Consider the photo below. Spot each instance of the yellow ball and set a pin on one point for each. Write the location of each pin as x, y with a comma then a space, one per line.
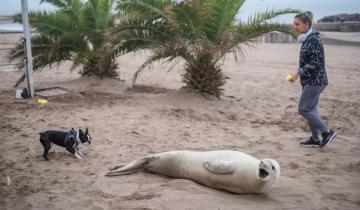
289, 77
42, 101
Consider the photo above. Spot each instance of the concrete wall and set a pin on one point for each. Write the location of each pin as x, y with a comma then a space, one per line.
338, 26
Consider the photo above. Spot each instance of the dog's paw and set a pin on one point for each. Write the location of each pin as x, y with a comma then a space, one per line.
78, 156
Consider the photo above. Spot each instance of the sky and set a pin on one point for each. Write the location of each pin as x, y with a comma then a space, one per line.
320, 8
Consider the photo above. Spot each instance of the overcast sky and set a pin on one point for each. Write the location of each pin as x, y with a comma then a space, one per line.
320, 8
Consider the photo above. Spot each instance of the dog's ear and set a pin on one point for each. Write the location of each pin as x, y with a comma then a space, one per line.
87, 131
72, 130
81, 132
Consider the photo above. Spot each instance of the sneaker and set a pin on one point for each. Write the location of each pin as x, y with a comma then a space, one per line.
327, 138
312, 142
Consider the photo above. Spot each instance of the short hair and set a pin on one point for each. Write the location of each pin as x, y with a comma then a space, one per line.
305, 17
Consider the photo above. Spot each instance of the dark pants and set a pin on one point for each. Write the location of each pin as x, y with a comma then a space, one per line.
308, 109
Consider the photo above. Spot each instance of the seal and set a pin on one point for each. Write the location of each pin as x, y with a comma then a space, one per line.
227, 170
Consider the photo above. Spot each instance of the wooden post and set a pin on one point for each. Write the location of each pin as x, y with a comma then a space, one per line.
29, 66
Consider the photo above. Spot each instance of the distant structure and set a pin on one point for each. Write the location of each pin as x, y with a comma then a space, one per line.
340, 22
341, 18
277, 37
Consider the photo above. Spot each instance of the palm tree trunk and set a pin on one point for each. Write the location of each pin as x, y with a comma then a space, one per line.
20, 80
204, 75
103, 67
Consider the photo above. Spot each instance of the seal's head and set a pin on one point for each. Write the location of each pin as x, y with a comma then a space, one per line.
269, 172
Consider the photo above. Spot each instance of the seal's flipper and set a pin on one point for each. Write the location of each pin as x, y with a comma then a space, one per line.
120, 173
219, 166
129, 167
116, 167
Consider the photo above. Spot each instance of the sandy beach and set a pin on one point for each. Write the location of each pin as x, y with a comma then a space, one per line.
257, 115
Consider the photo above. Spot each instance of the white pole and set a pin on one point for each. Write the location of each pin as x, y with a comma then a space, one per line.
29, 66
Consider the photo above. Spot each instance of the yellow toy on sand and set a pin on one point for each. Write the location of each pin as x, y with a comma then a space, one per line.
290, 77
42, 101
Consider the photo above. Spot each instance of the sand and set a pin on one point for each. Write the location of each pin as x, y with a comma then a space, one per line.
257, 115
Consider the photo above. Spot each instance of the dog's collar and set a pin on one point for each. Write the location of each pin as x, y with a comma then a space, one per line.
74, 135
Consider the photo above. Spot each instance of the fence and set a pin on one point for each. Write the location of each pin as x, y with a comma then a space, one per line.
277, 37
7, 42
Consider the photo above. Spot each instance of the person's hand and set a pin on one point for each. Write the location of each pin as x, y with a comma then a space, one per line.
295, 76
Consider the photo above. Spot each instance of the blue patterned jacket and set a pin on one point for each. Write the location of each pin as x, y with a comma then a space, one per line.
312, 61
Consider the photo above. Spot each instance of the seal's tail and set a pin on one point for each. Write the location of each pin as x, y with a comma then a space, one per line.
122, 170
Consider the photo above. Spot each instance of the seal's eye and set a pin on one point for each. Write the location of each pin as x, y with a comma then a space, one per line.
273, 167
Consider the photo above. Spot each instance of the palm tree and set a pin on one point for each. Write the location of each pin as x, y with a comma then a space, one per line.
78, 31
201, 32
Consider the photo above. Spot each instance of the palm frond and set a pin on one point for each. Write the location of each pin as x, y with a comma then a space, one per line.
69, 7
136, 35
17, 54
57, 3
49, 23
44, 52
245, 34
223, 14
158, 54
261, 17
189, 19
141, 9
52, 23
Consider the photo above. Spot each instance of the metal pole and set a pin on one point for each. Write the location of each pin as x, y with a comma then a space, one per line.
29, 66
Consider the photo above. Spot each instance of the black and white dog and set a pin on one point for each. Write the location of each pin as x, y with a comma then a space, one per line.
69, 140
